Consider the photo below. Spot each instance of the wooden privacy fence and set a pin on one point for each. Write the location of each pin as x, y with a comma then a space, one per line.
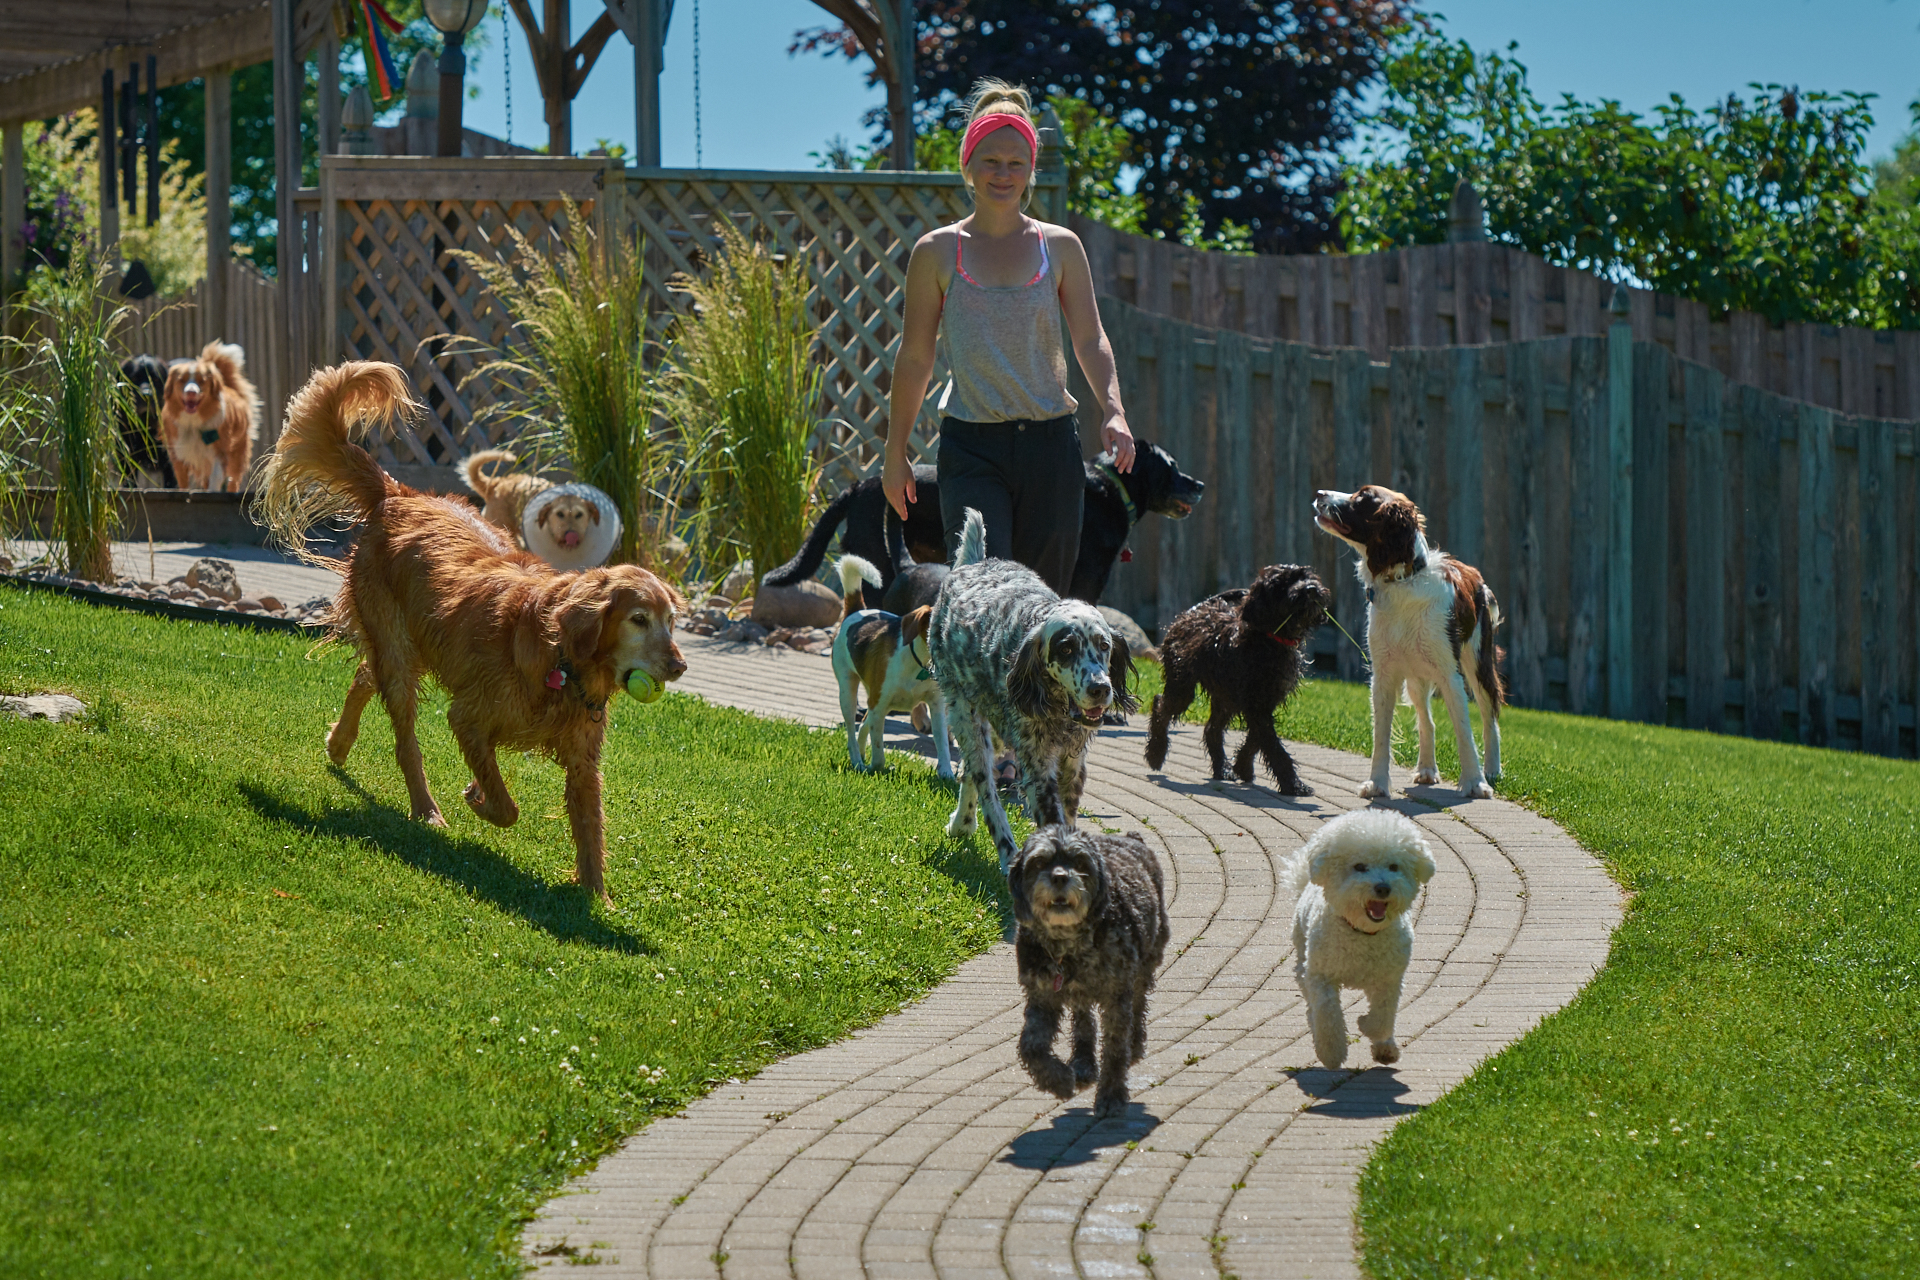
172, 328
1714, 555
1477, 293
379, 279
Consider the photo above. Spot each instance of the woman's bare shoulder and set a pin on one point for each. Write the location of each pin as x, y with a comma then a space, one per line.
938, 238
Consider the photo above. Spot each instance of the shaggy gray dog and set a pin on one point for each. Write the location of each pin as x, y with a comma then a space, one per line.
1017, 662
1092, 930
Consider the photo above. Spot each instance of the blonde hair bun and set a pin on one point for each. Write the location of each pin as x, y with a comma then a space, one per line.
991, 97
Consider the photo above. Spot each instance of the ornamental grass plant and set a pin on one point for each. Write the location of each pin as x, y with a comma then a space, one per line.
745, 393
578, 390
70, 383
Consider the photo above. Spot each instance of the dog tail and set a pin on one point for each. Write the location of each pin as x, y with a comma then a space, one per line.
316, 472
473, 470
897, 554
806, 561
231, 360
1486, 617
973, 540
853, 572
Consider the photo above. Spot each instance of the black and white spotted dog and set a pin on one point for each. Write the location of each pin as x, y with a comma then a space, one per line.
1019, 664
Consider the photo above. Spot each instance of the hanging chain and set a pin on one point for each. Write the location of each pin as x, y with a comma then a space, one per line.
699, 156
506, 65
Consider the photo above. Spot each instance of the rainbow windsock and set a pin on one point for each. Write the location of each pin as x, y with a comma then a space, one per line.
379, 55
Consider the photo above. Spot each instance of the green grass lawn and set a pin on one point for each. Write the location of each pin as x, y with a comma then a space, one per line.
1738, 1092
255, 1022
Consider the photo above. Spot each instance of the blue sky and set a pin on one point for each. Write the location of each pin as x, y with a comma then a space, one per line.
761, 109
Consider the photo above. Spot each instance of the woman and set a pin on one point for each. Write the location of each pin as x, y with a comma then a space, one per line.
996, 285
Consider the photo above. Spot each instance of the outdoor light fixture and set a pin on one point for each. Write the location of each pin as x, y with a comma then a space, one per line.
454, 18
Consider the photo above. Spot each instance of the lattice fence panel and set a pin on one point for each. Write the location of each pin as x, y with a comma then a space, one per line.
403, 293
855, 231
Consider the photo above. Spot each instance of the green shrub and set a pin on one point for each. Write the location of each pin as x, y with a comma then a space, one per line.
577, 382
746, 395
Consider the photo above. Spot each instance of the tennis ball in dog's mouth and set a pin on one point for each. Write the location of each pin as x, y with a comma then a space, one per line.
643, 686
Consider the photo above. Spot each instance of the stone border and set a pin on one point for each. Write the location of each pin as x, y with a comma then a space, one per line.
163, 608
918, 1148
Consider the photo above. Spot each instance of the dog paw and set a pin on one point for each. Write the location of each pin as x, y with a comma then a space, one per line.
1370, 789
1476, 790
430, 816
501, 813
960, 826
1386, 1051
1425, 777
1085, 1072
1110, 1104
338, 744
1297, 788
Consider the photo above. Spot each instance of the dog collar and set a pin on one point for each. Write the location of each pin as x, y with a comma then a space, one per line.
926, 663
1362, 932
1126, 499
563, 676
1291, 644
208, 435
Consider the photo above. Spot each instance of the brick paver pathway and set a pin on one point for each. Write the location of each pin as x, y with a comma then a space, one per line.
918, 1148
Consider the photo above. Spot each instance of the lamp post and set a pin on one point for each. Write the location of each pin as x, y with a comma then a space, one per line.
453, 18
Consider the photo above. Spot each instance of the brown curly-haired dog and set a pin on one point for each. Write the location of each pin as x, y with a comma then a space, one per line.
1243, 648
1093, 928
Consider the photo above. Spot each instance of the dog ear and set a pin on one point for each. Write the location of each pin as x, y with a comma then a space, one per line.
1029, 684
1097, 898
583, 619
1017, 874
540, 521
915, 624
1119, 672
593, 512
1397, 525
1324, 870
1423, 867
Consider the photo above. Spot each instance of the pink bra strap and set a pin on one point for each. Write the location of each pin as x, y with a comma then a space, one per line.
959, 242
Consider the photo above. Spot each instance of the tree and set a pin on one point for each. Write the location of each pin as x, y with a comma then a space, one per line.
1760, 204
1239, 105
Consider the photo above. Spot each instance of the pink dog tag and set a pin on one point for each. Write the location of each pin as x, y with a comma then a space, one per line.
556, 679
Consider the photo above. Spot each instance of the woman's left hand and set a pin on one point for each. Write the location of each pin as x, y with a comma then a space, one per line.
1117, 440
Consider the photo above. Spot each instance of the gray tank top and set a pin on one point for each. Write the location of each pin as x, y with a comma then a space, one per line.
1004, 348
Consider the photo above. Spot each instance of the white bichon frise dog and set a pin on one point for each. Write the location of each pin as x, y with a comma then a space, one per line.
1356, 879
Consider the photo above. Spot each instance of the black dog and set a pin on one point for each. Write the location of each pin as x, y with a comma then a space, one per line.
1114, 503
1243, 648
146, 378
1093, 928
913, 583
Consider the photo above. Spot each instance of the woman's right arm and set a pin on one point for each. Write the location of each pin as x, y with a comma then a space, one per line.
912, 368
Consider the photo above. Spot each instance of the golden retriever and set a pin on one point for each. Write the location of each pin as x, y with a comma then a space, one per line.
210, 417
528, 656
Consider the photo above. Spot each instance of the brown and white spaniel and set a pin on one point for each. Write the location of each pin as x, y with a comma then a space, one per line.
1430, 624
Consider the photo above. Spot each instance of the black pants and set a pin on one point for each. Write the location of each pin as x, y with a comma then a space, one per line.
1027, 479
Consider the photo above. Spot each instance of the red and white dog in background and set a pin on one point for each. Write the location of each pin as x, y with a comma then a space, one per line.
1430, 624
210, 417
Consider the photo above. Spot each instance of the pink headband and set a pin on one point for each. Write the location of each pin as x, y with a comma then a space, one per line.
984, 125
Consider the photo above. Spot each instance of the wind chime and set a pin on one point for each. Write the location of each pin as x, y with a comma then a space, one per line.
123, 136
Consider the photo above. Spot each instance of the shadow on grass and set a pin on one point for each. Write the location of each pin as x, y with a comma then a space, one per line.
565, 912
1075, 1137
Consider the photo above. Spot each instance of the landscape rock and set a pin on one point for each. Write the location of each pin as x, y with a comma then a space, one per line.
215, 577
1138, 642
247, 604
804, 604
272, 603
805, 639
738, 582
742, 631
43, 706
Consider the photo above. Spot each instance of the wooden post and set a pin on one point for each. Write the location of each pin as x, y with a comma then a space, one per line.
1352, 449
559, 34
1817, 544
1234, 414
109, 167
1588, 473
1880, 638
1706, 526
1524, 468
1173, 344
215, 320
1760, 554
1619, 490
1652, 375
652, 16
1464, 533
288, 78
896, 22
13, 206
1292, 476
328, 104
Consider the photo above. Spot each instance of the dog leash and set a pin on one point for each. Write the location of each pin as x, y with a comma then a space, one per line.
1126, 500
564, 677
